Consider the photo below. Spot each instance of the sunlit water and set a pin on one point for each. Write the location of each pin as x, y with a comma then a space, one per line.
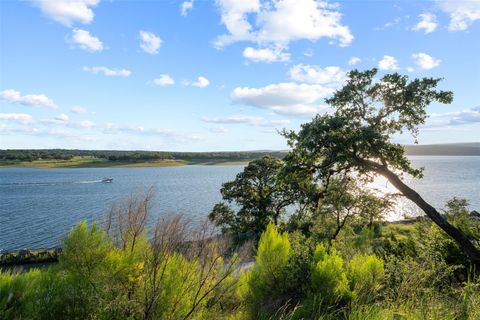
39, 206
445, 177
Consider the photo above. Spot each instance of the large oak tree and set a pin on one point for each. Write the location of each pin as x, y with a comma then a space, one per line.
357, 136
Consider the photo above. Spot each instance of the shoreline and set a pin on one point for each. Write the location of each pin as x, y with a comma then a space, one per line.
100, 163
89, 162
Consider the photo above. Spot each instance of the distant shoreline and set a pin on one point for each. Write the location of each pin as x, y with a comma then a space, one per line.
453, 149
69, 164
100, 163
69, 158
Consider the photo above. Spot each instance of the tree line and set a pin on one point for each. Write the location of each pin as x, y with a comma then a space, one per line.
113, 155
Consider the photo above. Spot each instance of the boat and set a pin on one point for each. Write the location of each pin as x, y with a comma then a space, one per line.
107, 180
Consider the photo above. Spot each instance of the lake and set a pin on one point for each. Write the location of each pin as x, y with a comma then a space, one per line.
39, 206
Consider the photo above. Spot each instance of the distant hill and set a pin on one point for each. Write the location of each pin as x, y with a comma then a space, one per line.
448, 149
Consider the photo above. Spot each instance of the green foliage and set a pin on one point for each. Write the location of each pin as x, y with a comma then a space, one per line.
458, 214
132, 156
299, 268
223, 216
427, 250
267, 281
175, 299
365, 274
344, 205
358, 135
85, 249
329, 277
289, 280
15, 293
260, 198
96, 280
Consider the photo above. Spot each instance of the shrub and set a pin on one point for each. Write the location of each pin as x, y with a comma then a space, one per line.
15, 293
329, 277
267, 281
299, 267
365, 273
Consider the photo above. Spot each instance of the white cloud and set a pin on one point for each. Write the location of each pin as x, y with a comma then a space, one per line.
79, 110
233, 119
86, 124
281, 94
425, 61
471, 115
388, 63
86, 41
185, 7
274, 123
354, 60
14, 96
331, 76
62, 118
428, 23
463, 13
301, 110
467, 116
280, 22
7, 129
164, 80
246, 119
284, 98
17, 117
266, 55
389, 24
201, 82
410, 69
218, 130
108, 72
150, 43
68, 11
111, 128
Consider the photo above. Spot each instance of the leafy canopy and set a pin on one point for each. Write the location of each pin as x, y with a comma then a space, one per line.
367, 115
257, 194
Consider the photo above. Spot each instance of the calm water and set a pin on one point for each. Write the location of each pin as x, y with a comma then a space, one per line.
38, 206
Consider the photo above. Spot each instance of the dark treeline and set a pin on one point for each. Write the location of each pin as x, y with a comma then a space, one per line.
113, 155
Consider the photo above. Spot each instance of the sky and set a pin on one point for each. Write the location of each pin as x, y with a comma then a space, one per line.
219, 75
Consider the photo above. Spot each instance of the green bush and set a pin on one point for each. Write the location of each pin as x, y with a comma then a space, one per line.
329, 277
365, 273
267, 281
16, 293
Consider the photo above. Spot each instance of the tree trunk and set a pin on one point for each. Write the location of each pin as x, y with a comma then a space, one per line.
470, 250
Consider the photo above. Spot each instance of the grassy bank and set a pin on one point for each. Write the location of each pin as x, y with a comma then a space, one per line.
93, 162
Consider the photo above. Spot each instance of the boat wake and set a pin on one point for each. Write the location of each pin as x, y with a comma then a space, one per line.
89, 181
26, 184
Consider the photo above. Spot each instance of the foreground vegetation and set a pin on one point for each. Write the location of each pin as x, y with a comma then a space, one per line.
113, 271
333, 257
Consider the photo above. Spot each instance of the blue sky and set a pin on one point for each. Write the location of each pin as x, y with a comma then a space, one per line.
219, 75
